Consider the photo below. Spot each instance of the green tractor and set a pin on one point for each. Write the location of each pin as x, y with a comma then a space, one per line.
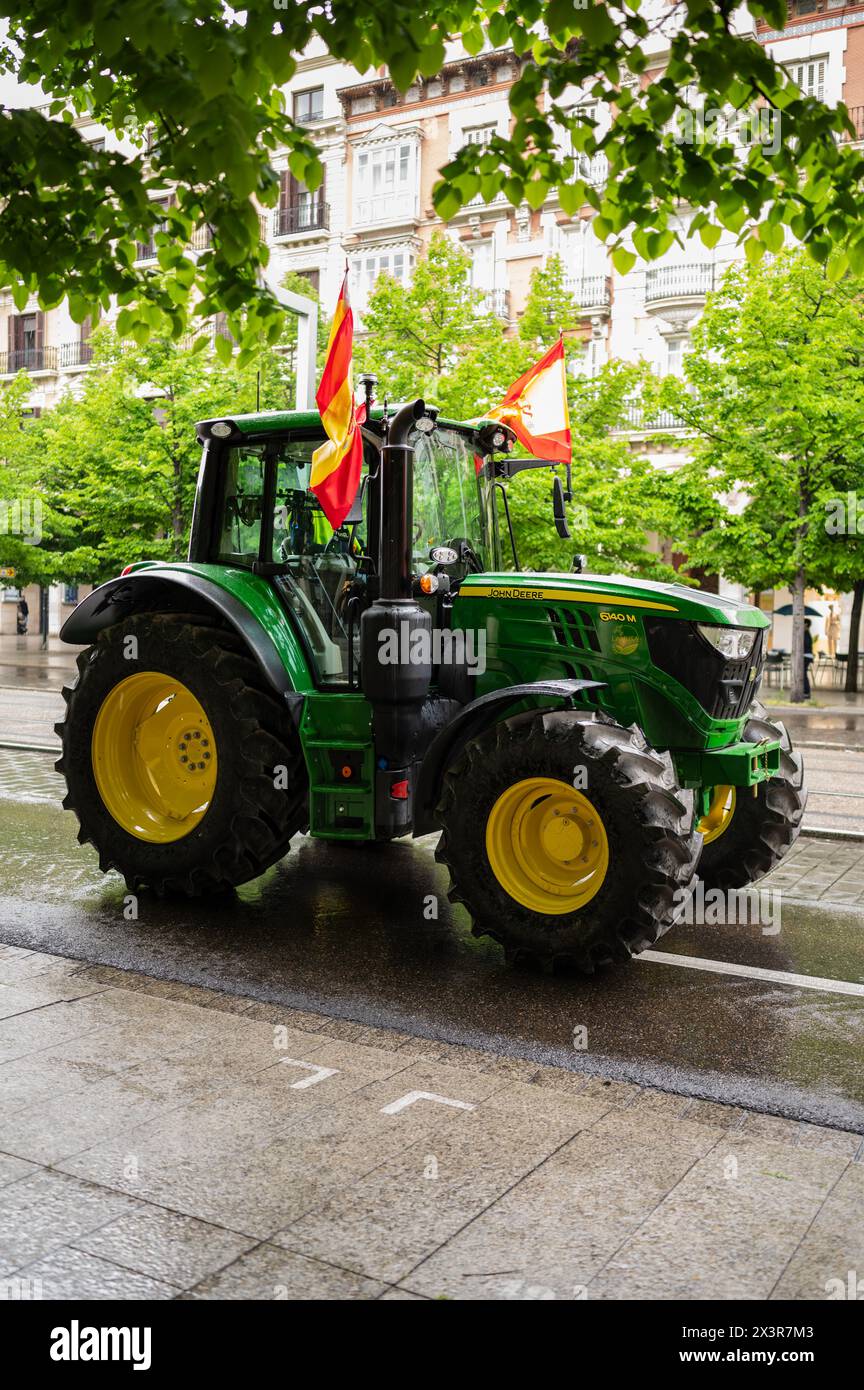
584, 744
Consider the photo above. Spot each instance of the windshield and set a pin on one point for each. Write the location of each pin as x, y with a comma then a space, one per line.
447, 503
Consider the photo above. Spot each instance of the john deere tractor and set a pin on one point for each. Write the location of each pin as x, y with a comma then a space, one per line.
583, 744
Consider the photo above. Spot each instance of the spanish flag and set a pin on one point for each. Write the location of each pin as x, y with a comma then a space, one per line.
535, 408
336, 465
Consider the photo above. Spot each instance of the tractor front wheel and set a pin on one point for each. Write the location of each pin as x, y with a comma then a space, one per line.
567, 838
748, 830
181, 765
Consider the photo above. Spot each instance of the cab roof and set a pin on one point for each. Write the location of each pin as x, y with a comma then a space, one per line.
273, 421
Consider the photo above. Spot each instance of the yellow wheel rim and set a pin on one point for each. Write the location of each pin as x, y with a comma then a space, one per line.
547, 845
719, 814
154, 757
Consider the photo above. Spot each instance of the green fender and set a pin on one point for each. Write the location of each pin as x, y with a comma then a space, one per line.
244, 600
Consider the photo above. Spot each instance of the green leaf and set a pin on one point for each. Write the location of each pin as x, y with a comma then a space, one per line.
536, 193
710, 234
623, 260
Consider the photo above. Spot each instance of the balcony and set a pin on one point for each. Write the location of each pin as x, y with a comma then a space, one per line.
677, 292
667, 282
636, 422
28, 359
856, 116
145, 250
79, 354
593, 169
294, 218
496, 302
593, 293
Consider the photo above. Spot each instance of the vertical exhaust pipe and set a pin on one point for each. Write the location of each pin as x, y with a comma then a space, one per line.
396, 661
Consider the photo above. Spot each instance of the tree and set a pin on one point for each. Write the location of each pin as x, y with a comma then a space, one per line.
199, 83
429, 338
121, 460
26, 514
417, 334
774, 392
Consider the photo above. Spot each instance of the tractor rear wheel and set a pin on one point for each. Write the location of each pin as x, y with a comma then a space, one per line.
745, 835
567, 838
181, 765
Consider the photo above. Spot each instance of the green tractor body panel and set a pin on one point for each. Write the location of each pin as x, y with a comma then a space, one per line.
611, 629
257, 596
335, 726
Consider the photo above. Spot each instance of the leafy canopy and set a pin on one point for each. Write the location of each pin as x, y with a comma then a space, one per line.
207, 80
774, 391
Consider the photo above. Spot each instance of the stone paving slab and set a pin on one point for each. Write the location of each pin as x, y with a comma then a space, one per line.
155, 1142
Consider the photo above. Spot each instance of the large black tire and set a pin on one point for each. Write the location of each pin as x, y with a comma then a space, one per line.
648, 820
249, 822
763, 828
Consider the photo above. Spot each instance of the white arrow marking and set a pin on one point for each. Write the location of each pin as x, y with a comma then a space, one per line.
321, 1073
404, 1101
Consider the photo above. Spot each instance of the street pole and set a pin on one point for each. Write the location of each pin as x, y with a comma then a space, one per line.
306, 311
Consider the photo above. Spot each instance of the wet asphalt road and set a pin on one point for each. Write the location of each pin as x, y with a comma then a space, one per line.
343, 931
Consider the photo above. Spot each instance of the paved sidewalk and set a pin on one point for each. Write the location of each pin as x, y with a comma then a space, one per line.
162, 1141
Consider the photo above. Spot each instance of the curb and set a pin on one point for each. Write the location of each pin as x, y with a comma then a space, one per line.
814, 832
31, 747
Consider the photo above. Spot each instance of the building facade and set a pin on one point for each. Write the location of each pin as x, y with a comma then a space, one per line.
382, 150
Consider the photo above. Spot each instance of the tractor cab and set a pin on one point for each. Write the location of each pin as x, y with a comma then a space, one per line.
257, 513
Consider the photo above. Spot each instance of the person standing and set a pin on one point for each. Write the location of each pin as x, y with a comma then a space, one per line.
23, 616
808, 656
832, 631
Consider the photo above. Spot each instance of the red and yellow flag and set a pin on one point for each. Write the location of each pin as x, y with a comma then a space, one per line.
535, 408
336, 465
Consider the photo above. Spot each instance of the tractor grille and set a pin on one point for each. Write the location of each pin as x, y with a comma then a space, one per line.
575, 633
723, 688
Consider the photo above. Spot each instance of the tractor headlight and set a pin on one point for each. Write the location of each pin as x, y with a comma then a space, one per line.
735, 643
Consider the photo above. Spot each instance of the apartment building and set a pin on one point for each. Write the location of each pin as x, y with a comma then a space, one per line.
382, 151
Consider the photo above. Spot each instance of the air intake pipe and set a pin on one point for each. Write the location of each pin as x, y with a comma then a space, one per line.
395, 636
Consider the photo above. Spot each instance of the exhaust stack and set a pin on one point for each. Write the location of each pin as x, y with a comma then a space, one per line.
396, 669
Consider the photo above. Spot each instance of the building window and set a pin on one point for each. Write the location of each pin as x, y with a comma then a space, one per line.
674, 357
479, 134
27, 343
398, 263
314, 278
299, 210
810, 76
70, 593
309, 105
385, 183
97, 146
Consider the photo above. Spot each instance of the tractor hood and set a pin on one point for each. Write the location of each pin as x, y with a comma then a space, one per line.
615, 591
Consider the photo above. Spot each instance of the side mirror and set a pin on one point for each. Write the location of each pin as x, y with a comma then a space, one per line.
559, 513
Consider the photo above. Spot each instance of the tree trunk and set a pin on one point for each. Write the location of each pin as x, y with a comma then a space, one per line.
854, 631
797, 696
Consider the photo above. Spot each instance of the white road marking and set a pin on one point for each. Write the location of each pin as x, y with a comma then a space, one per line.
321, 1073
754, 972
404, 1101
